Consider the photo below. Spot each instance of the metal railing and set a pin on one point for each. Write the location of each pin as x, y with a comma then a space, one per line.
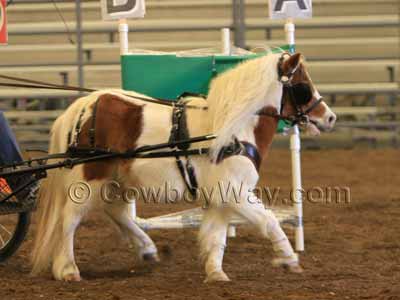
207, 25
238, 23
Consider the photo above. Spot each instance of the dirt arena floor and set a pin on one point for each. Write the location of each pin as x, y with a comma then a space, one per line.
352, 249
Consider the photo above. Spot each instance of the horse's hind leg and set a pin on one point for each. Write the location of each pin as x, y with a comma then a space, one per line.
212, 239
120, 213
64, 266
80, 197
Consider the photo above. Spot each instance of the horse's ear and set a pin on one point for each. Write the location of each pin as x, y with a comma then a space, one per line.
293, 62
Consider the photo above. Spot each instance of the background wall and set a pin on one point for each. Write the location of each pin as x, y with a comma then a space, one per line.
351, 47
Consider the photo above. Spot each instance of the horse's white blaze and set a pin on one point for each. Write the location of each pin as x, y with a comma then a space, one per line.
326, 121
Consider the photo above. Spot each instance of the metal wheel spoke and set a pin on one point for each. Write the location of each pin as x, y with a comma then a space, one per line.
5, 229
4, 239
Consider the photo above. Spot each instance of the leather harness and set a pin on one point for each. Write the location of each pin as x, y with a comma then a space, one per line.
73, 139
179, 132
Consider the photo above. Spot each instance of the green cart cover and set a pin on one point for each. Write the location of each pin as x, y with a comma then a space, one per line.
168, 76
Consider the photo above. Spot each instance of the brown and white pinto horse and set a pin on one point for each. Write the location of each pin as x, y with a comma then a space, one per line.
122, 123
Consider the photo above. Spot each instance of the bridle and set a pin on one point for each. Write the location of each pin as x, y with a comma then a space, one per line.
300, 117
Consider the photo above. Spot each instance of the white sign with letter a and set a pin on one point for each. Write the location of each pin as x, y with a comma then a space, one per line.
122, 9
283, 9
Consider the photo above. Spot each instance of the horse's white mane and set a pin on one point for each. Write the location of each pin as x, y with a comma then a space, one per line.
238, 94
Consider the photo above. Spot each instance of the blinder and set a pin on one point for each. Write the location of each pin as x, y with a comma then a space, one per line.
302, 93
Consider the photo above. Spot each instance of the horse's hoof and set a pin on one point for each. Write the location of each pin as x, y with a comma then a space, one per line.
289, 263
295, 269
151, 257
72, 277
217, 276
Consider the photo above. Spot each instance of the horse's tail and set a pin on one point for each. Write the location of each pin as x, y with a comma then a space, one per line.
50, 204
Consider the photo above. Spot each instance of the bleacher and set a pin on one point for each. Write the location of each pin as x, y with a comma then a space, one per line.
352, 49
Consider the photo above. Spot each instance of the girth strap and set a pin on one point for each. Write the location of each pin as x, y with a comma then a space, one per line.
179, 132
191, 180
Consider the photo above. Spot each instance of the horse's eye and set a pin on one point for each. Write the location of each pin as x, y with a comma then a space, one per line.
302, 93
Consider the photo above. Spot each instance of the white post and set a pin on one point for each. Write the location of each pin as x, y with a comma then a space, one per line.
295, 146
226, 49
289, 31
123, 29
226, 41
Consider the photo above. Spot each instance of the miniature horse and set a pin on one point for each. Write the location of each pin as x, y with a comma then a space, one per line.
231, 111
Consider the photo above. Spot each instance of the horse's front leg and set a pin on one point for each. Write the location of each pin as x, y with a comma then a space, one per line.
212, 240
253, 210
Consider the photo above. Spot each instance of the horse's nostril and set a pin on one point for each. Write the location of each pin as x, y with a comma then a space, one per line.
331, 119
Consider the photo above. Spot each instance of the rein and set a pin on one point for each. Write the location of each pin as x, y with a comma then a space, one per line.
50, 86
41, 85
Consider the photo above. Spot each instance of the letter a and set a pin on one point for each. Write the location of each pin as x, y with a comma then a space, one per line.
279, 4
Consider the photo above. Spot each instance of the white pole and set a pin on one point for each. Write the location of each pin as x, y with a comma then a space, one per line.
289, 31
123, 29
226, 41
295, 147
226, 49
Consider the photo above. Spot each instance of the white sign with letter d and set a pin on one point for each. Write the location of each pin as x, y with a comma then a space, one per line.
283, 9
122, 9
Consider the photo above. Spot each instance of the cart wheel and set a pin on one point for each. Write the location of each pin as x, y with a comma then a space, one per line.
13, 229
